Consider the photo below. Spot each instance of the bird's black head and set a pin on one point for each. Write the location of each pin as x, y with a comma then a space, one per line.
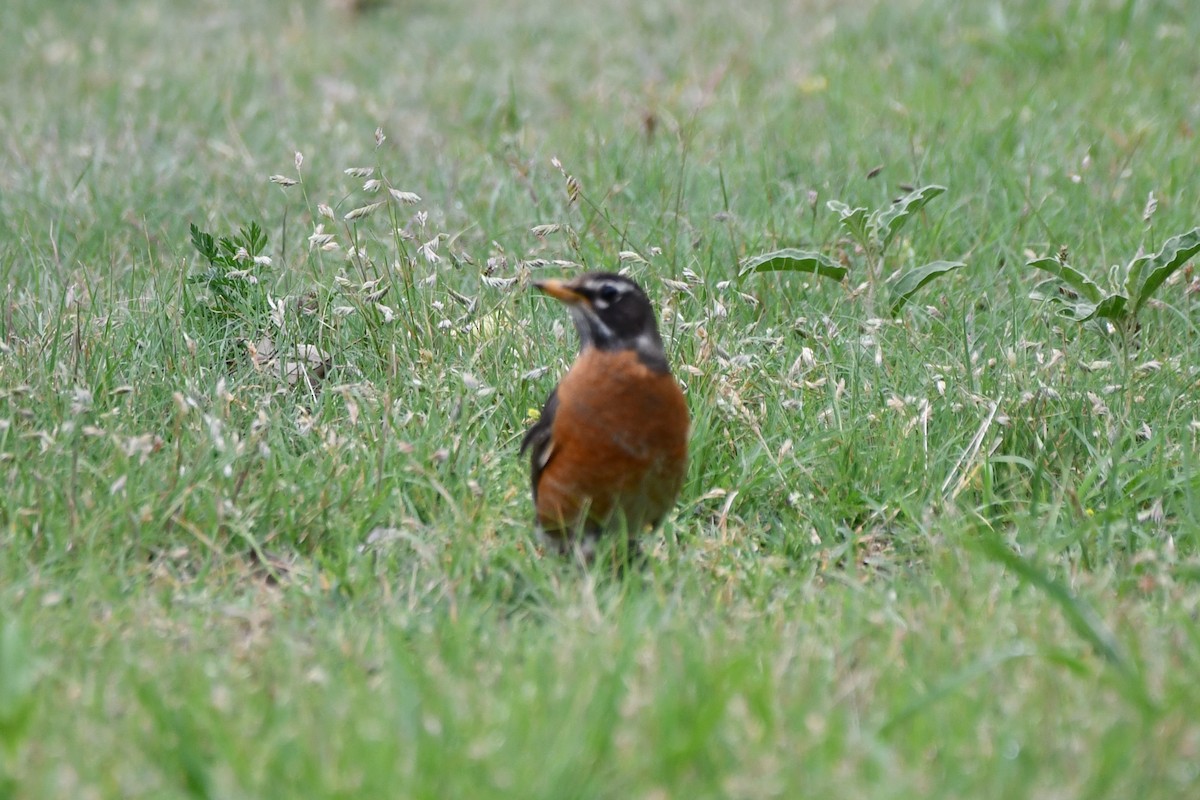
610, 312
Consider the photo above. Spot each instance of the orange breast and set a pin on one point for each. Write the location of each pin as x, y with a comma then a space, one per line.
619, 442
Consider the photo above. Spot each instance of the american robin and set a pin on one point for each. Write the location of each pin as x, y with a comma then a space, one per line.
609, 452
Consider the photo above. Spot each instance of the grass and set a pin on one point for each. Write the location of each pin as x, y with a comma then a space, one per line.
278, 544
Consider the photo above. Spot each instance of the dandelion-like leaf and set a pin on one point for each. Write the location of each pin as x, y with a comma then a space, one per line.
886, 223
793, 260
906, 282
1157, 267
1085, 286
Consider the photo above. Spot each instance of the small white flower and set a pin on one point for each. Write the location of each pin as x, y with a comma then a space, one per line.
373, 185
283, 180
360, 172
299, 160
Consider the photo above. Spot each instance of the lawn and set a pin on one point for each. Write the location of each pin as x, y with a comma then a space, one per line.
268, 347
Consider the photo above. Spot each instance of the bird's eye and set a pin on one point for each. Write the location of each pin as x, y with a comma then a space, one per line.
608, 293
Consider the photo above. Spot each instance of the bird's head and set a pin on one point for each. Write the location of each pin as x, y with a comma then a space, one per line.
610, 312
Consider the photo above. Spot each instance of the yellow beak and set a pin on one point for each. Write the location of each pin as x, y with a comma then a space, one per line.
560, 291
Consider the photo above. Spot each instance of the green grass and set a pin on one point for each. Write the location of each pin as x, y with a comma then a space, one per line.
950, 554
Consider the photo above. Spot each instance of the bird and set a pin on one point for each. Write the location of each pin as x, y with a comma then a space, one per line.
609, 452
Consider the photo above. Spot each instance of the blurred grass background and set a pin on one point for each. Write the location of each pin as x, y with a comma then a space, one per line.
218, 582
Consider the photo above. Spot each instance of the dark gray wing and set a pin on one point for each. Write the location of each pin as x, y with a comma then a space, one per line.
537, 440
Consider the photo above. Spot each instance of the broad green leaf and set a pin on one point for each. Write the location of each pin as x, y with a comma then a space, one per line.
1052, 291
790, 259
1173, 255
907, 282
1085, 286
885, 223
1076, 312
854, 220
1111, 307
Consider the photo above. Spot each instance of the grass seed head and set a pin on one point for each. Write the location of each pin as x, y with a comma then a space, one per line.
362, 212
405, 198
